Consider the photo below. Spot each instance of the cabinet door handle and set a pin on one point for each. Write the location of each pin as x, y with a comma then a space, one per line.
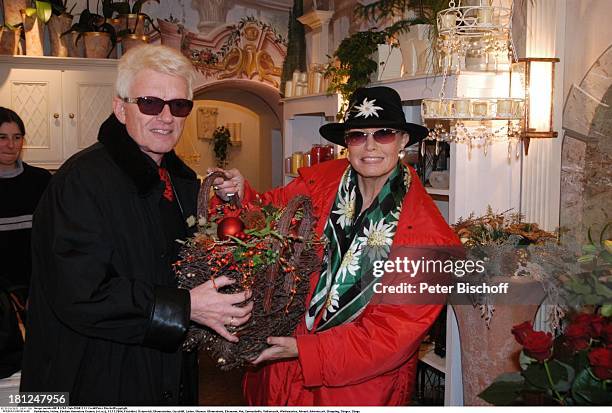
71, 115
56, 115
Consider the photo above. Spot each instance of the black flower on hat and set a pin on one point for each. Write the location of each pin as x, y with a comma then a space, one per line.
373, 107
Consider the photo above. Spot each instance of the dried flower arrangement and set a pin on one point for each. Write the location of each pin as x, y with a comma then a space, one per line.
268, 250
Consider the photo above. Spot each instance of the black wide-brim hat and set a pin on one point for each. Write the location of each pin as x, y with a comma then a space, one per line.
373, 107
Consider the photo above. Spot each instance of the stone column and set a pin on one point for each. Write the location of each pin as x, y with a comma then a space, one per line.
541, 172
317, 37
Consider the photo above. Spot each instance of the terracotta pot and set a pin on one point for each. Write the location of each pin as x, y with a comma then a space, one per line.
170, 34
12, 10
132, 40
58, 25
487, 353
97, 44
9, 41
132, 22
75, 47
34, 30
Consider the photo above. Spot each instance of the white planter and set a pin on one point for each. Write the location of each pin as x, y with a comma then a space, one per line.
389, 60
417, 54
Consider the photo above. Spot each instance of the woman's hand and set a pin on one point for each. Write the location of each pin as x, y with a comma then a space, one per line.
282, 348
232, 185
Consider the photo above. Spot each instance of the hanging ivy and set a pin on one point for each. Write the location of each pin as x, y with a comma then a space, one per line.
221, 143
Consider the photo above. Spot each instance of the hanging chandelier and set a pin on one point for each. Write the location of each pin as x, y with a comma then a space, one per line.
476, 37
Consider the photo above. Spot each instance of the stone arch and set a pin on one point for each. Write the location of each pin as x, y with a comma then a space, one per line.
586, 172
264, 101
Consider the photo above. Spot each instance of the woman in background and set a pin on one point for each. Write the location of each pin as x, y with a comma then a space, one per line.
21, 187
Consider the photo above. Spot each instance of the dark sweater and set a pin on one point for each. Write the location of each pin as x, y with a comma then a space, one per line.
19, 196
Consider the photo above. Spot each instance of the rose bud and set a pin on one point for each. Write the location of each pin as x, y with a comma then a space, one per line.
601, 363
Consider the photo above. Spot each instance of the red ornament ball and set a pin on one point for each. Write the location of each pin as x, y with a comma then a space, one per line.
229, 226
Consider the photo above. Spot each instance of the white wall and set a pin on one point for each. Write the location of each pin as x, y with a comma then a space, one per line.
588, 34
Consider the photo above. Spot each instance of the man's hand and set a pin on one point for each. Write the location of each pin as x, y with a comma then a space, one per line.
233, 184
216, 310
282, 348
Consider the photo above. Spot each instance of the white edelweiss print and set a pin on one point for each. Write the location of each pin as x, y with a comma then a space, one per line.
346, 210
350, 263
331, 304
367, 108
377, 239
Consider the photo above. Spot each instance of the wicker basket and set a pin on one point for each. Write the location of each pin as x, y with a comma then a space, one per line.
278, 295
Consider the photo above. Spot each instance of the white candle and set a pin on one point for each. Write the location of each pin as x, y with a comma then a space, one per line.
449, 20
288, 88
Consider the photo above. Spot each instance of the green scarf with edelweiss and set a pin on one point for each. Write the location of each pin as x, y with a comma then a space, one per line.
345, 286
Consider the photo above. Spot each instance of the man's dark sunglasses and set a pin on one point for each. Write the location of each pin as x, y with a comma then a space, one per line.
150, 105
358, 137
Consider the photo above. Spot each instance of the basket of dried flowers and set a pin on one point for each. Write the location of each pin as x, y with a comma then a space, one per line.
268, 250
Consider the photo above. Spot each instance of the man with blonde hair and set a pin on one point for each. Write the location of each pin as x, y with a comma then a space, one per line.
106, 317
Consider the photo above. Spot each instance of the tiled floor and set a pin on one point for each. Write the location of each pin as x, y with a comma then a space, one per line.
217, 387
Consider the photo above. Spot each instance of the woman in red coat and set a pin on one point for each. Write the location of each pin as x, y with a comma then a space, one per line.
349, 349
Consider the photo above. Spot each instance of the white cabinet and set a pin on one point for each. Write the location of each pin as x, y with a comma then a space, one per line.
62, 101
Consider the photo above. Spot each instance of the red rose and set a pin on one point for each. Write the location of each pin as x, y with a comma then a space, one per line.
594, 322
606, 333
601, 363
520, 331
578, 336
597, 324
536, 344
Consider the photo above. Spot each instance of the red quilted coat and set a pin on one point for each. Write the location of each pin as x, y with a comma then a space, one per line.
371, 360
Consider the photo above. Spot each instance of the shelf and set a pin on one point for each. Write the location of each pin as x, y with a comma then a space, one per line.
427, 356
317, 104
436, 191
58, 62
419, 87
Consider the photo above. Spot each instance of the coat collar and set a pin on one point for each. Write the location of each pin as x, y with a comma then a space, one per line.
133, 162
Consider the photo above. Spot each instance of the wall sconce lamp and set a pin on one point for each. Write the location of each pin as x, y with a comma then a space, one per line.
539, 79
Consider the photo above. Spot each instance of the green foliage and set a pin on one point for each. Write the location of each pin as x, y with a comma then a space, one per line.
354, 65
594, 286
42, 9
505, 390
221, 142
355, 62
588, 390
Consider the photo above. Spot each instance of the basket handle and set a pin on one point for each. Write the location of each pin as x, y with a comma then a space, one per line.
304, 231
204, 194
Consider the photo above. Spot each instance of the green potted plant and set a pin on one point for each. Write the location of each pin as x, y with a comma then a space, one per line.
60, 22
12, 11
131, 21
34, 18
353, 64
9, 38
99, 37
221, 142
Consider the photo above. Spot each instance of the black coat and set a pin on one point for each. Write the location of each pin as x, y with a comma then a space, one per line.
105, 317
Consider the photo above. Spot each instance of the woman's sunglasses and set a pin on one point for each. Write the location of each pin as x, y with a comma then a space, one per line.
358, 137
150, 105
